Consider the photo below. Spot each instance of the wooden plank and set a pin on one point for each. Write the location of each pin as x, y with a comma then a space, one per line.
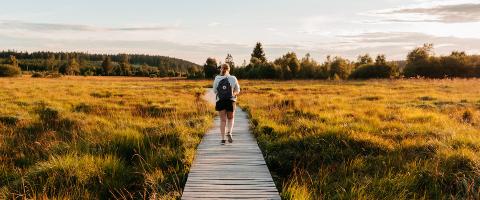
231, 171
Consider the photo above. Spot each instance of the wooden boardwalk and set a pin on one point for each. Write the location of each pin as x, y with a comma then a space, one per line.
231, 171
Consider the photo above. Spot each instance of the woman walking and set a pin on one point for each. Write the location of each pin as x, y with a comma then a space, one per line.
226, 88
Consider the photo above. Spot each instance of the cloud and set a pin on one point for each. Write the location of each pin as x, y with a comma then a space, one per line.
397, 44
403, 37
214, 24
463, 12
147, 28
195, 52
11, 24
34, 26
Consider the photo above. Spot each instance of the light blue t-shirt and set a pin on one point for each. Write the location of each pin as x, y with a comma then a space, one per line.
231, 79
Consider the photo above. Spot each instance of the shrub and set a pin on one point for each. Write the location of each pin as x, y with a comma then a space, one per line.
87, 71
126, 143
9, 71
91, 109
467, 116
427, 98
106, 94
339, 68
374, 71
68, 126
372, 98
70, 68
49, 117
422, 62
83, 107
153, 110
38, 75
54, 75
9, 120
285, 103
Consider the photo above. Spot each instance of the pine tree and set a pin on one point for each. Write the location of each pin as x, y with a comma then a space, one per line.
125, 66
107, 66
258, 53
229, 61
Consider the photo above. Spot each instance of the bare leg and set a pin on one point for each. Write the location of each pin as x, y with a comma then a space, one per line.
223, 122
230, 116
230, 122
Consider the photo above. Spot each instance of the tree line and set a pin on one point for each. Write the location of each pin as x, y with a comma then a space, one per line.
79, 63
420, 62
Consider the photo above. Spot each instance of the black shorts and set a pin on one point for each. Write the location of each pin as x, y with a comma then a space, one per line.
228, 105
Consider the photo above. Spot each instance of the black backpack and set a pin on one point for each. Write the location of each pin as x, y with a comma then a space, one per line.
224, 89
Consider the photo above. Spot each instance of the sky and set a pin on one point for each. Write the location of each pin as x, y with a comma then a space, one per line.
197, 29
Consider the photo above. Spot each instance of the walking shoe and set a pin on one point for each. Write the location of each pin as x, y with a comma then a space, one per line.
230, 139
222, 142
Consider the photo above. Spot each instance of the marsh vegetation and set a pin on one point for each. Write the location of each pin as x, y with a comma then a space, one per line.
91, 138
378, 139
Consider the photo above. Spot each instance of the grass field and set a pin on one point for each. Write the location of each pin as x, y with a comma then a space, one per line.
89, 138
399, 139
123, 138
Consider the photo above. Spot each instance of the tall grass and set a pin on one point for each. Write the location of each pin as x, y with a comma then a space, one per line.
377, 139
98, 138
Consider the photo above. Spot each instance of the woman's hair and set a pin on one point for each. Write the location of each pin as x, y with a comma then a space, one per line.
227, 66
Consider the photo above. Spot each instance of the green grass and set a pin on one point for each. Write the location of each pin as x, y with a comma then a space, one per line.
90, 138
378, 139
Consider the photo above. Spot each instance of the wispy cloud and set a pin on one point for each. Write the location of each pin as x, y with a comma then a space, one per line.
394, 44
145, 28
397, 44
214, 24
35, 26
450, 12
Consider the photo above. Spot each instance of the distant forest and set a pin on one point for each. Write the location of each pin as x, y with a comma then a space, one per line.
420, 62
79, 63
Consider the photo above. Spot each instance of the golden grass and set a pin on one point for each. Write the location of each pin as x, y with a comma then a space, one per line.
377, 139
98, 137
125, 137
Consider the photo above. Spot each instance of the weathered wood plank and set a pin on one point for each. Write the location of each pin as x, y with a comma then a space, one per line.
231, 171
